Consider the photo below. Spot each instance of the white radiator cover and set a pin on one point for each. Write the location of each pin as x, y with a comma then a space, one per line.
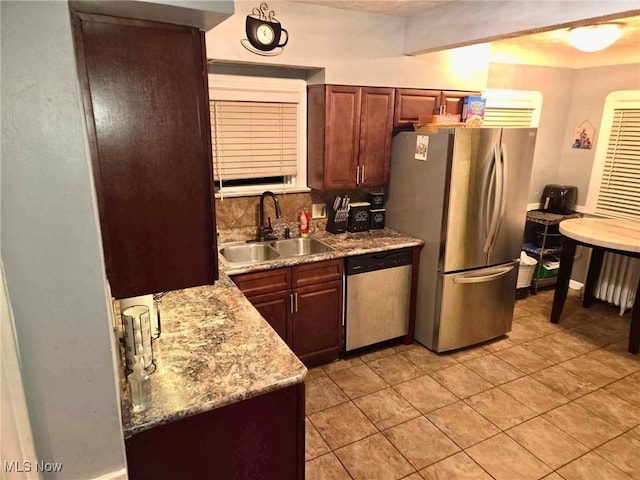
618, 280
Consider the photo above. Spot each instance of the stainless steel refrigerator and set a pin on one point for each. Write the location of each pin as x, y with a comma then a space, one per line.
464, 192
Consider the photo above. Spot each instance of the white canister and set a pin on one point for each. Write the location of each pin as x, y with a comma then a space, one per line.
137, 335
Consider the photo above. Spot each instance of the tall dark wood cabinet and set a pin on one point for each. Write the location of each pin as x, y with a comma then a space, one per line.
144, 87
349, 133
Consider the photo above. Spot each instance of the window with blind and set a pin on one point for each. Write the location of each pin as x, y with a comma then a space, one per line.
258, 134
615, 181
512, 108
508, 117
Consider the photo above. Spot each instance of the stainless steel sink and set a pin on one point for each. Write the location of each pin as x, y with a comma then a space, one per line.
293, 247
244, 253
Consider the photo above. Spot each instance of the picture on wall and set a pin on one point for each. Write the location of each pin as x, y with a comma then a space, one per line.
583, 137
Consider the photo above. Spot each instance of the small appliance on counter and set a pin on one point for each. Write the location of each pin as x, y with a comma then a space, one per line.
559, 199
376, 199
376, 218
358, 217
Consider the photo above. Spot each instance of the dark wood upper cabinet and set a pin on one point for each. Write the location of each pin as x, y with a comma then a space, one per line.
376, 128
411, 103
145, 94
452, 100
349, 133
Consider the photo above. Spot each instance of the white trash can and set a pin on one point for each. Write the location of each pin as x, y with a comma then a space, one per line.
525, 271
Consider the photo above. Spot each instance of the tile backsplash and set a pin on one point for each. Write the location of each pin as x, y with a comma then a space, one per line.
237, 217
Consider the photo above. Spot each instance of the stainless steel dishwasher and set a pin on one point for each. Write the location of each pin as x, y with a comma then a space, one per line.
378, 287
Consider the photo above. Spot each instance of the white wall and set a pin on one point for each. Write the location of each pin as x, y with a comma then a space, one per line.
51, 248
590, 89
352, 48
467, 22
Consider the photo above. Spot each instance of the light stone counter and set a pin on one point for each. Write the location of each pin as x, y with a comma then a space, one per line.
604, 232
215, 349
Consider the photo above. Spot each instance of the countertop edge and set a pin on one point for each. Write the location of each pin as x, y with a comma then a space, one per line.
210, 406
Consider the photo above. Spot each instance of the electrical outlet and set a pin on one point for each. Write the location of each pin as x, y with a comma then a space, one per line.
318, 210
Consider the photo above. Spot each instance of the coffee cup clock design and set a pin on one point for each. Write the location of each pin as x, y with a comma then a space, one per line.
264, 33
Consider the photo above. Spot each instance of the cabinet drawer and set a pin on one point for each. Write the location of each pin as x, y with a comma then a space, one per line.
318, 272
267, 281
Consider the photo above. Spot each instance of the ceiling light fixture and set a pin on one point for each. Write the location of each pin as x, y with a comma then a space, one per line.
595, 37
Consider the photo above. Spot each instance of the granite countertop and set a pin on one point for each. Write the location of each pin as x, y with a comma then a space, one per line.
345, 245
215, 349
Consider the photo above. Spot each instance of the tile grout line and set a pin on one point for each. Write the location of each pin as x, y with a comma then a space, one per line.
624, 431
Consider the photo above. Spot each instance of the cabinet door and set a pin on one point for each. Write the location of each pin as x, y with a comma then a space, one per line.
317, 323
342, 131
146, 107
376, 132
276, 309
453, 100
411, 103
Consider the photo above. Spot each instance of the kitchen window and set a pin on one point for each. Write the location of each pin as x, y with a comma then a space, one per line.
614, 190
512, 108
258, 134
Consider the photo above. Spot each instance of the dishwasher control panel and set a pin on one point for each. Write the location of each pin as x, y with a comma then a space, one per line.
378, 261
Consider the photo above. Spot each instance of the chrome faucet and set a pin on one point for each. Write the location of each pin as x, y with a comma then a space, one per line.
265, 231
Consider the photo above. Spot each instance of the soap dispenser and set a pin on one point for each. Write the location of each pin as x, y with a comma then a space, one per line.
140, 386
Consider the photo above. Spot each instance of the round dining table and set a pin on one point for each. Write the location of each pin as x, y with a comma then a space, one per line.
601, 235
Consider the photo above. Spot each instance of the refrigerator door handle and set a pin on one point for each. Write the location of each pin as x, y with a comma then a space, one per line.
487, 185
484, 278
497, 180
503, 198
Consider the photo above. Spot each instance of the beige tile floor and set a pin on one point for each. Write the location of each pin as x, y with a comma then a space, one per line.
547, 401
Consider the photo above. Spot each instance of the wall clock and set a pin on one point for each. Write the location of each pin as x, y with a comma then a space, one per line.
265, 35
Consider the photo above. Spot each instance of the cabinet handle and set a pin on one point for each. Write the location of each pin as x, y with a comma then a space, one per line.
357, 174
362, 179
291, 301
295, 297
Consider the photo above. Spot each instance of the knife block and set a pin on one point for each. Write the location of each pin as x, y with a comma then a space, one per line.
337, 220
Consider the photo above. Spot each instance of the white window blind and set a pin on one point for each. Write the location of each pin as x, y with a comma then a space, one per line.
254, 139
512, 108
619, 192
508, 117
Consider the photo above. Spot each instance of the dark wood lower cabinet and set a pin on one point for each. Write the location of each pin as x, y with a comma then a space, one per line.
261, 438
303, 304
317, 325
276, 308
